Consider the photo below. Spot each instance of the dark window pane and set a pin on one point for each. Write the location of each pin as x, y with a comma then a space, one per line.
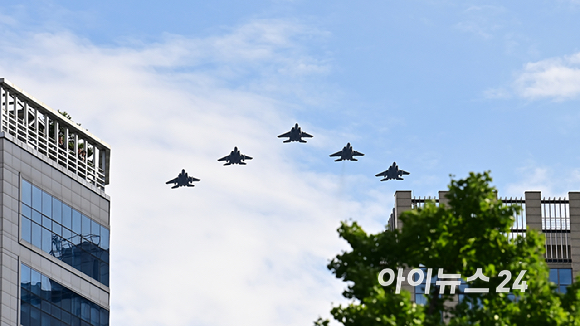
46, 204
26, 193
86, 227
34, 316
25, 314
57, 210
36, 199
554, 275
104, 317
76, 222
26, 229
95, 314
565, 276
85, 310
67, 216
36, 235
66, 317
44, 319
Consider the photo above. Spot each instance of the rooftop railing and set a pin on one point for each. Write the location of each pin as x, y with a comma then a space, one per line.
52, 135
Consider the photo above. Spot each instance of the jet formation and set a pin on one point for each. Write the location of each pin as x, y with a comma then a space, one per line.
393, 173
347, 153
235, 157
182, 180
295, 134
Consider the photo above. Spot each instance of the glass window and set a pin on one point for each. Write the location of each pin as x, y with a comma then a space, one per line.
57, 210
26, 211
36, 199
95, 232
46, 222
57, 229
50, 222
36, 217
86, 226
58, 305
67, 216
24, 275
104, 238
46, 240
35, 282
36, 235
76, 222
554, 275
26, 193
26, 229
565, 276
46, 204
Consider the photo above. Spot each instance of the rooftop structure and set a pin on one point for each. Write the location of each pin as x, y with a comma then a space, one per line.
53, 136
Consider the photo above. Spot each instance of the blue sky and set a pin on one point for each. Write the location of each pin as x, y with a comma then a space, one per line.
440, 87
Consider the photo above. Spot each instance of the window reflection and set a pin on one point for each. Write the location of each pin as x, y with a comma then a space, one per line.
46, 302
65, 233
562, 277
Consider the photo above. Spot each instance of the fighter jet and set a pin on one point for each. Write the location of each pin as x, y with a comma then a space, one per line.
393, 173
235, 157
295, 134
182, 180
346, 154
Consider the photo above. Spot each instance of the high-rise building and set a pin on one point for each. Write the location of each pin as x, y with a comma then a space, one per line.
557, 218
55, 218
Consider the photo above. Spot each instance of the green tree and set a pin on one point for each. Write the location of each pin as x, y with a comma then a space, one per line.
467, 234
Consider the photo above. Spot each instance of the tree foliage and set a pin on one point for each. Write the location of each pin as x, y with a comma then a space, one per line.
467, 234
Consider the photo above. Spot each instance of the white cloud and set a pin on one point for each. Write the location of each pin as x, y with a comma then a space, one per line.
544, 179
556, 78
248, 244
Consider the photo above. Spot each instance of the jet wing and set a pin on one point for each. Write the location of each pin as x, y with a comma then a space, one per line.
355, 153
172, 181
403, 172
225, 158
286, 134
384, 173
192, 179
303, 134
339, 153
245, 157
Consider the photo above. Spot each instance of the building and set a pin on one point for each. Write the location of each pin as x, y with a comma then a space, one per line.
55, 217
557, 218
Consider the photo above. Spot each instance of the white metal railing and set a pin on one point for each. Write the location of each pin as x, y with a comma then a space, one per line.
556, 228
53, 136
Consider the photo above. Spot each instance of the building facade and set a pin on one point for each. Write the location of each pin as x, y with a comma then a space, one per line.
557, 218
55, 217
